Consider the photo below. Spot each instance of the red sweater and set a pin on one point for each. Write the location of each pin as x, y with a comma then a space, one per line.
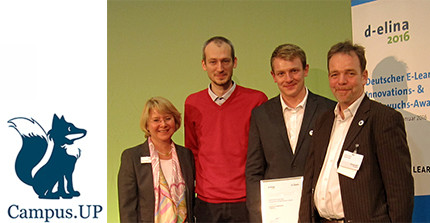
218, 137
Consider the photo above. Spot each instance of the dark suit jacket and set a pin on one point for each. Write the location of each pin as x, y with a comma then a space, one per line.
269, 151
136, 187
383, 188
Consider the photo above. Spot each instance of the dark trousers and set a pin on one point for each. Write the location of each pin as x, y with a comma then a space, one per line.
223, 212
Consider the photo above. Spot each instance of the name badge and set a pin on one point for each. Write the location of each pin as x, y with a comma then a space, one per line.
145, 159
350, 164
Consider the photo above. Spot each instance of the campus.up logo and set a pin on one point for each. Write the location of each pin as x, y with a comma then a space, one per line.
46, 161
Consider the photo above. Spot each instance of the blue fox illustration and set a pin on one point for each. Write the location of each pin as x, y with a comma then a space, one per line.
47, 160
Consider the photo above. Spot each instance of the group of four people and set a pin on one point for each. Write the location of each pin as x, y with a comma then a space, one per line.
236, 137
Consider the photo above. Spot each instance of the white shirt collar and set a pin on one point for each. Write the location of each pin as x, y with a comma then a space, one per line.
301, 104
351, 110
214, 97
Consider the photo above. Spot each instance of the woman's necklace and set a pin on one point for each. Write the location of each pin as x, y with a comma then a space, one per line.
165, 154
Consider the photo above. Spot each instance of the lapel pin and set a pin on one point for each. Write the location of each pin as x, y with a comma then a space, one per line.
311, 132
360, 123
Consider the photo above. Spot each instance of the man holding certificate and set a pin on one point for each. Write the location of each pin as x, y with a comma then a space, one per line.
281, 128
359, 165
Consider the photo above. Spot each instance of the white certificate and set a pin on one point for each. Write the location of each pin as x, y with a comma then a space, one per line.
280, 199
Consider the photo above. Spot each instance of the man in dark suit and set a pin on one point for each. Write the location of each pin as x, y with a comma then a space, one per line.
281, 129
359, 165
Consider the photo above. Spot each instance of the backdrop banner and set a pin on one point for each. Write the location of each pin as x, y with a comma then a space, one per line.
395, 35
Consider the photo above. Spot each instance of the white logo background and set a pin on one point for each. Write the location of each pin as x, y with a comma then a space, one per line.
53, 61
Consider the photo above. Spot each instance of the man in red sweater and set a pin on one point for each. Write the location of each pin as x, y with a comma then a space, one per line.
216, 130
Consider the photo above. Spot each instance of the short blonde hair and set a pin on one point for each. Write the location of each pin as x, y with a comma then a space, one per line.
288, 52
163, 106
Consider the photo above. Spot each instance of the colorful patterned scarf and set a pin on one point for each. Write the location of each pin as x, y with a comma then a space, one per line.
170, 204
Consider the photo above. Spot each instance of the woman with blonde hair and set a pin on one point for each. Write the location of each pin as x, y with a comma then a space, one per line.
156, 178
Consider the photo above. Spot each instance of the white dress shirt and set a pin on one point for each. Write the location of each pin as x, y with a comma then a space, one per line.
328, 199
293, 118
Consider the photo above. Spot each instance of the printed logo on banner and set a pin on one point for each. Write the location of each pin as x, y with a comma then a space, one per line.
395, 31
46, 161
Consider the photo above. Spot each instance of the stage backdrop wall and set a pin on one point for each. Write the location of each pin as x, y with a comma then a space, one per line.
154, 48
395, 34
